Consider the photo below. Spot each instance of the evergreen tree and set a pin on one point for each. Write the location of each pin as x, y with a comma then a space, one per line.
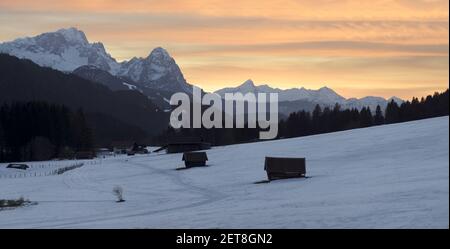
316, 119
366, 118
392, 113
378, 118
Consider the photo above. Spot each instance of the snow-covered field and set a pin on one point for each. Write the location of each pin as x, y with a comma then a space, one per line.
393, 176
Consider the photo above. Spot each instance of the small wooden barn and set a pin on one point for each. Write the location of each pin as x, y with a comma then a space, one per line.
194, 159
282, 167
185, 144
17, 166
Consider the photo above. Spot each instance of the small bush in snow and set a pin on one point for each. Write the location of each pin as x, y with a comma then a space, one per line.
118, 192
13, 203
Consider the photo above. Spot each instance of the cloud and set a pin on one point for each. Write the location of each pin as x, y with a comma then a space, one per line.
292, 9
201, 30
335, 48
401, 44
367, 76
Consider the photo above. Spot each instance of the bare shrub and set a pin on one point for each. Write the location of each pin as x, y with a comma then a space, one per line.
13, 203
118, 192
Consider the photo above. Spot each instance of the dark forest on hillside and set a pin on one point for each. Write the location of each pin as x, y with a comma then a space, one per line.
41, 131
112, 115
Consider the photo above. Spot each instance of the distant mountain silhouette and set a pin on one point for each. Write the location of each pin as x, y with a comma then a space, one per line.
297, 99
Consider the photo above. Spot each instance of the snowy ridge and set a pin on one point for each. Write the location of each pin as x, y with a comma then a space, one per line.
64, 50
323, 96
68, 49
159, 71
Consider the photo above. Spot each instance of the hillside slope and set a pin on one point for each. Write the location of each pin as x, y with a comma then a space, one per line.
392, 176
22, 80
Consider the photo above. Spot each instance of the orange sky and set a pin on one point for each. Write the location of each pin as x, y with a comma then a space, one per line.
358, 48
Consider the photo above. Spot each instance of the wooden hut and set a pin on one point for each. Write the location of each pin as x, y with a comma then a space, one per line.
195, 159
185, 144
281, 168
17, 166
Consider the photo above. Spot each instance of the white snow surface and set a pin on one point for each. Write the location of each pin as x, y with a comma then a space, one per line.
392, 176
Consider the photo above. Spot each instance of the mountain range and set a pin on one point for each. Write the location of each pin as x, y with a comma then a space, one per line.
157, 76
291, 99
68, 49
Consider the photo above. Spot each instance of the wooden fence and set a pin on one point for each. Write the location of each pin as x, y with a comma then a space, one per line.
49, 169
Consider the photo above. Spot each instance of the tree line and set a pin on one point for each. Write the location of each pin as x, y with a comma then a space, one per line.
114, 116
431, 106
42, 131
326, 119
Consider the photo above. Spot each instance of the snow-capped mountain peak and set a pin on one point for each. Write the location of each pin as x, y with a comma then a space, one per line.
247, 86
159, 63
327, 95
326, 90
68, 49
159, 70
160, 54
73, 35
248, 82
64, 50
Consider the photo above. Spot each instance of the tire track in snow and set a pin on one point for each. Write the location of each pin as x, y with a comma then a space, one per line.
77, 180
209, 196
82, 180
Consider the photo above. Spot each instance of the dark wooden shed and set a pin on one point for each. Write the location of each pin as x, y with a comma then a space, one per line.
184, 144
184, 147
194, 159
282, 167
17, 166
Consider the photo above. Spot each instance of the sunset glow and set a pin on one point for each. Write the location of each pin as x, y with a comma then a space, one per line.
358, 48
